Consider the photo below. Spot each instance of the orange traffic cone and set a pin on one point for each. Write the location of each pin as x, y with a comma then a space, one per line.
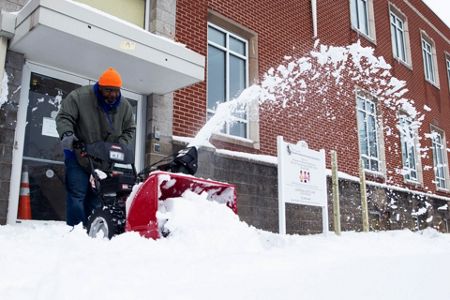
24, 211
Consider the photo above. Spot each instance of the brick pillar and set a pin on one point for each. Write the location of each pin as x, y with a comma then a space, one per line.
8, 119
160, 107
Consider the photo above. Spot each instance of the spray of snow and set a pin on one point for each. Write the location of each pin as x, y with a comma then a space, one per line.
224, 113
302, 82
5, 91
324, 68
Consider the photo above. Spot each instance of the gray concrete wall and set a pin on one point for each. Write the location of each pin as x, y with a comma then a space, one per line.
8, 120
8, 114
257, 190
12, 5
160, 107
162, 17
159, 127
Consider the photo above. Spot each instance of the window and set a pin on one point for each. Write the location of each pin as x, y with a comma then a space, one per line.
368, 133
408, 137
227, 75
362, 17
429, 63
439, 158
399, 36
447, 60
132, 11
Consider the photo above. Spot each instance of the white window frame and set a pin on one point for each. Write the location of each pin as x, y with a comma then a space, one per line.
430, 66
362, 17
447, 62
370, 101
409, 147
440, 164
228, 52
399, 36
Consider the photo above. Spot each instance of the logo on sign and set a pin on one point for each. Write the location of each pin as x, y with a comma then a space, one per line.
304, 176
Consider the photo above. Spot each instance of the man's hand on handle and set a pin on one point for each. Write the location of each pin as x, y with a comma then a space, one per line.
67, 140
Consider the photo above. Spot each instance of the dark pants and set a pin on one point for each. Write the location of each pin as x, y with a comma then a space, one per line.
81, 199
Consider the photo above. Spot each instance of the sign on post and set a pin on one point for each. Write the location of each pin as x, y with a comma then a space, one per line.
301, 179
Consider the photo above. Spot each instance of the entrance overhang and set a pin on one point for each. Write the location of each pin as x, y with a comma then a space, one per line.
84, 41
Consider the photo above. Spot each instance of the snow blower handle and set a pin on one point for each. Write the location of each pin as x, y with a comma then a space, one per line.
81, 146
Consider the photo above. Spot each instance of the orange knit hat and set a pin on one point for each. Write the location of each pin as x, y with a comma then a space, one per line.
110, 78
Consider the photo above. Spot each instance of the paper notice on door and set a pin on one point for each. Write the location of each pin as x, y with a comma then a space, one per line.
49, 127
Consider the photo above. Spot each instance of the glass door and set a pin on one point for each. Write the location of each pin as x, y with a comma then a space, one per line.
41, 155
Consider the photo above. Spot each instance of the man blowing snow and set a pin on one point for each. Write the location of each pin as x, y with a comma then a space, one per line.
90, 114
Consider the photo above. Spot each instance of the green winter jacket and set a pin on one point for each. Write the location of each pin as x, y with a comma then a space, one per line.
81, 113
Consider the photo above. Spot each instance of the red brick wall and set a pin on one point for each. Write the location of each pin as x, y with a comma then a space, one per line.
285, 28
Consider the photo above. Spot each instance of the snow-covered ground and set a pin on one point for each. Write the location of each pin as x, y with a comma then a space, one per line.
210, 254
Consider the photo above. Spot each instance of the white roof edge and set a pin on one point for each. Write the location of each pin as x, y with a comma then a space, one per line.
96, 18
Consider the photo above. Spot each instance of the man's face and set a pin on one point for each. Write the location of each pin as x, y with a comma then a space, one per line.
110, 93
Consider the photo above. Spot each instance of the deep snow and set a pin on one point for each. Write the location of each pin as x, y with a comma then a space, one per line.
210, 254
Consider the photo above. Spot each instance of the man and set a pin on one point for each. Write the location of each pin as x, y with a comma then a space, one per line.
91, 114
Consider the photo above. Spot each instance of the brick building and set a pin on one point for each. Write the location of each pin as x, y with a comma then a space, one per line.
230, 45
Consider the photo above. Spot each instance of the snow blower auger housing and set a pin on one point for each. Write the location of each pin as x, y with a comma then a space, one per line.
129, 200
161, 185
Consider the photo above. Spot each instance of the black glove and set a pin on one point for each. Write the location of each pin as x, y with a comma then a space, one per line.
67, 140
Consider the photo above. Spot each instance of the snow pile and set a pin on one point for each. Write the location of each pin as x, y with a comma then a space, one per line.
193, 220
210, 254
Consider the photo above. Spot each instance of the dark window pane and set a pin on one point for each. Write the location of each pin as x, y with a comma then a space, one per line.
216, 36
366, 163
216, 77
45, 96
374, 165
238, 129
237, 76
237, 46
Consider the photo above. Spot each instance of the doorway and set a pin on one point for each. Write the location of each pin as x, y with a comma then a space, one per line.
41, 156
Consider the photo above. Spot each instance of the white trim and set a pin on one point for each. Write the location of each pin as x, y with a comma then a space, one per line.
370, 18
444, 162
412, 131
366, 111
147, 20
426, 40
140, 127
314, 17
149, 63
398, 26
447, 63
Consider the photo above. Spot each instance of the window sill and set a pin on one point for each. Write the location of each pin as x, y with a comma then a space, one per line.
374, 174
433, 84
236, 140
438, 189
367, 37
415, 184
404, 63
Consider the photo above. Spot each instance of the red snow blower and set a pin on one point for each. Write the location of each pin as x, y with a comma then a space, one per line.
129, 200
